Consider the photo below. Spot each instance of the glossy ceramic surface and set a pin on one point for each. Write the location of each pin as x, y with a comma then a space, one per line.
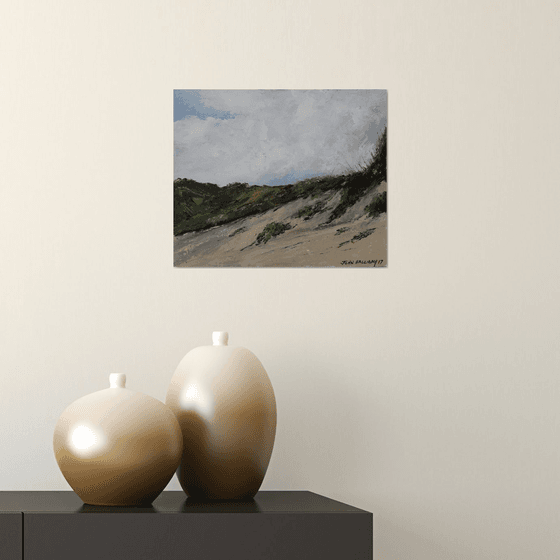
117, 446
225, 405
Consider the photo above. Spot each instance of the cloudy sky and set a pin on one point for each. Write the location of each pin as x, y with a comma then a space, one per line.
273, 137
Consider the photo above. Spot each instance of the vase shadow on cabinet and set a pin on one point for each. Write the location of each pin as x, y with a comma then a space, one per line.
224, 506
88, 508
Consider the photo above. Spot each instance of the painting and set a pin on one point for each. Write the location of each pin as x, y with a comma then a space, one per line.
280, 178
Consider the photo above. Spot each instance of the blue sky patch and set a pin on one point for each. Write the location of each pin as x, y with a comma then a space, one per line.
293, 176
188, 102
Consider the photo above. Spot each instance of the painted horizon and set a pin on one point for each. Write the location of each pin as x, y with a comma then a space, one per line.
280, 178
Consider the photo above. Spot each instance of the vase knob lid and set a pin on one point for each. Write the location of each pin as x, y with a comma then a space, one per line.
220, 338
117, 380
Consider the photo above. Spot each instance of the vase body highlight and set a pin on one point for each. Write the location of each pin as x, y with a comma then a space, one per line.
117, 447
225, 405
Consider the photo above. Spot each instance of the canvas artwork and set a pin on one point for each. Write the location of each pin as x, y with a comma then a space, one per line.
280, 178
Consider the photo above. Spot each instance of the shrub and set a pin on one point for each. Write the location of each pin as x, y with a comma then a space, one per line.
362, 235
272, 230
307, 212
378, 205
238, 230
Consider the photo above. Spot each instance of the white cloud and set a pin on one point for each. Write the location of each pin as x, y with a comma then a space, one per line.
277, 132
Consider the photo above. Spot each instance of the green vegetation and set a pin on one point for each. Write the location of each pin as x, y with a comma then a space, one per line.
199, 206
358, 237
233, 202
357, 184
378, 205
362, 235
238, 230
308, 212
272, 230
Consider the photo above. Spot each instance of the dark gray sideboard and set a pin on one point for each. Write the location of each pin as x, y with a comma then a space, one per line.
283, 525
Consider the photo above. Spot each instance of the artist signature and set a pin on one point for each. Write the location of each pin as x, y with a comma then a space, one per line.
376, 262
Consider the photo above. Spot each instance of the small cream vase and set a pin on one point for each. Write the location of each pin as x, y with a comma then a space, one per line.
117, 447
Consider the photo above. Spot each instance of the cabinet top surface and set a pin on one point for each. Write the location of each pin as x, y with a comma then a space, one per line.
175, 502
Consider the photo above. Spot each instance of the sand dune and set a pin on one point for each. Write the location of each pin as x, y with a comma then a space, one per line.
352, 240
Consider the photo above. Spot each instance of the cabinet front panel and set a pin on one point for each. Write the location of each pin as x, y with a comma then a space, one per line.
10, 536
210, 536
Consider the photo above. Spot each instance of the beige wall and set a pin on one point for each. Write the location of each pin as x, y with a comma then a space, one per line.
427, 393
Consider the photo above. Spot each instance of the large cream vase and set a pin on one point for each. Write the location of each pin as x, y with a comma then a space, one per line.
225, 405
